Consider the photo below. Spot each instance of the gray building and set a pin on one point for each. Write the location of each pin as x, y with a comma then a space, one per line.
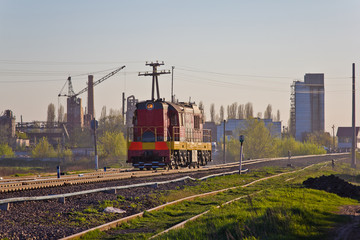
345, 135
307, 105
232, 125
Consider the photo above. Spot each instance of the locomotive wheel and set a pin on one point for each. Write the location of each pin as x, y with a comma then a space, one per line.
148, 168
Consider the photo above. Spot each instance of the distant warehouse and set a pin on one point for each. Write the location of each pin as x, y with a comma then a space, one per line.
344, 135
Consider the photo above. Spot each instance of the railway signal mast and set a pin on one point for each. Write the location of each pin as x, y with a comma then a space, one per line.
155, 75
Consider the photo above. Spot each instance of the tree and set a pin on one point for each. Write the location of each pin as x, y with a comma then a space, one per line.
259, 115
249, 110
268, 112
319, 138
43, 149
6, 151
61, 113
112, 146
113, 122
278, 115
259, 142
241, 111
103, 115
201, 107
221, 118
51, 114
212, 112
232, 110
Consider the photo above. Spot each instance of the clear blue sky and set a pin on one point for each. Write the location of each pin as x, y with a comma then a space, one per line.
223, 51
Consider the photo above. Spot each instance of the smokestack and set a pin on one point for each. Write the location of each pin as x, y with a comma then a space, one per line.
90, 109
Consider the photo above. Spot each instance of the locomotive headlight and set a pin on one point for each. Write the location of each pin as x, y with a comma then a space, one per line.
149, 106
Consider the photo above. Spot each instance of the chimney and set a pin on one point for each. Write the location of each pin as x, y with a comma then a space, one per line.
90, 109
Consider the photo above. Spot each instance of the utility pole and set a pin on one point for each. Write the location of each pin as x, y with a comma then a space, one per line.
354, 140
333, 128
94, 125
224, 154
172, 84
154, 75
123, 106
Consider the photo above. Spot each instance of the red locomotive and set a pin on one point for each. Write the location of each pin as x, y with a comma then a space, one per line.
167, 134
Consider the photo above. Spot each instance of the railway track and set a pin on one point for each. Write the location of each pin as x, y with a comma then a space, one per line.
14, 184
20, 223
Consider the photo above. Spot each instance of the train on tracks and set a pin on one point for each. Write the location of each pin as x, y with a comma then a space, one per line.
168, 135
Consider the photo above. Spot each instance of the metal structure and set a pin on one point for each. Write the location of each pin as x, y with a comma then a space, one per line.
354, 139
155, 75
75, 115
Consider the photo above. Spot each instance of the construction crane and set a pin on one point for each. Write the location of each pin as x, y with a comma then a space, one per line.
71, 92
75, 116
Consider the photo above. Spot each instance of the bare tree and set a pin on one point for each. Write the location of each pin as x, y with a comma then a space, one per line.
61, 113
212, 112
249, 110
51, 114
278, 115
259, 115
268, 112
221, 113
241, 111
103, 115
201, 107
232, 110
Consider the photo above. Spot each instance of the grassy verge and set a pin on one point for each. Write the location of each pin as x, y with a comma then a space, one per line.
283, 210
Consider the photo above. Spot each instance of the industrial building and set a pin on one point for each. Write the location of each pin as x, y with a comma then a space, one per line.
307, 106
7, 126
232, 126
345, 135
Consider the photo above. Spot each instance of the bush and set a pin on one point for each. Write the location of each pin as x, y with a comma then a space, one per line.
43, 149
112, 144
6, 151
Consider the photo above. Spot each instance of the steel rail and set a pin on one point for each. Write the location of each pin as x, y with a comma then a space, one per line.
110, 176
116, 223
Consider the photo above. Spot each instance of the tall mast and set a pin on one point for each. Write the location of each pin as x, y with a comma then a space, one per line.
155, 73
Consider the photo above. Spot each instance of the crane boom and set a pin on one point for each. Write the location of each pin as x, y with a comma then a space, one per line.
101, 80
71, 92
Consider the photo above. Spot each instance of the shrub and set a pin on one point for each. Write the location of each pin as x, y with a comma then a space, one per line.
43, 149
6, 151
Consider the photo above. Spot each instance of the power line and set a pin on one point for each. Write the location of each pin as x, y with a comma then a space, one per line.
248, 75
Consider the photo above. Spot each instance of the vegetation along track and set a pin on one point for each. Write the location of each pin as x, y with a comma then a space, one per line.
51, 219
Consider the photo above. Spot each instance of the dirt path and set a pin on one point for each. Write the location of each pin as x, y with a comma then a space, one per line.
351, 230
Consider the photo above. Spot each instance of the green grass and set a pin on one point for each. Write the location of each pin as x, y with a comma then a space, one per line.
285, 213
282, 210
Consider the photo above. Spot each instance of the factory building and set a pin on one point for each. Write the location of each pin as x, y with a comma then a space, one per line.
307, 106
345, 135
7, 126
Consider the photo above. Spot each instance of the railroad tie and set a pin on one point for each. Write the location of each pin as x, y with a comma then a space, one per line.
5, 206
